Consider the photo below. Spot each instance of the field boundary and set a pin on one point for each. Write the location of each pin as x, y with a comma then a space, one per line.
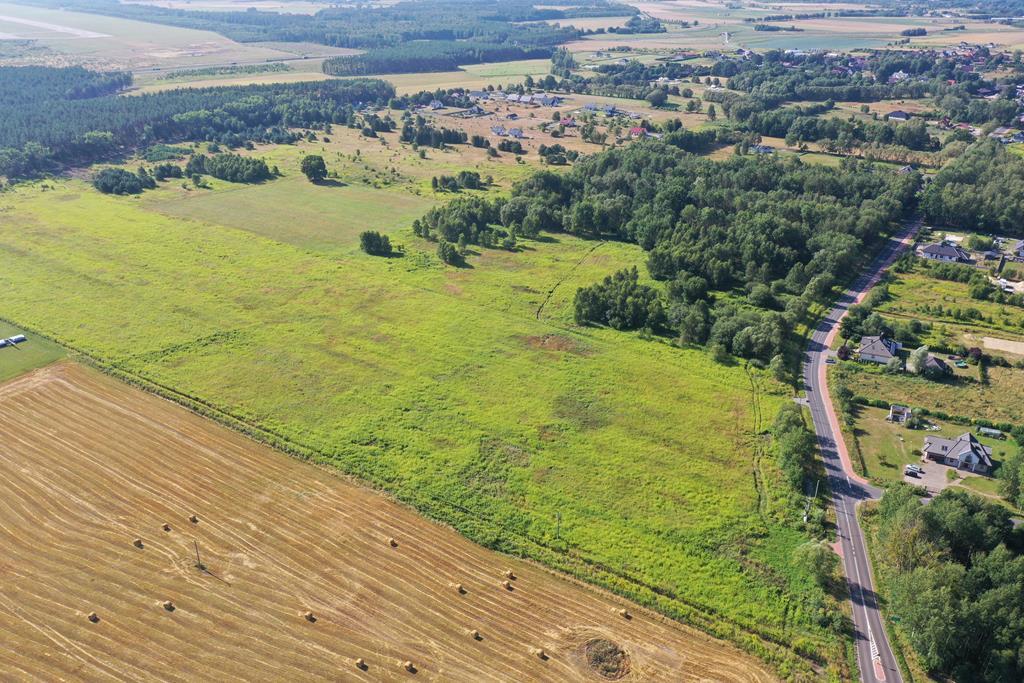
776, 649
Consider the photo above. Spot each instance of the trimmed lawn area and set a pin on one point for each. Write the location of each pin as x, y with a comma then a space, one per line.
888, 446
29, 355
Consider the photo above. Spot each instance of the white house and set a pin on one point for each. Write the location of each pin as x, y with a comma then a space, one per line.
964, 452
945, 251
878, 349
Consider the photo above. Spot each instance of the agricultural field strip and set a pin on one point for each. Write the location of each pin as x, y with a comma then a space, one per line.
250, 411
56, 28
104, 491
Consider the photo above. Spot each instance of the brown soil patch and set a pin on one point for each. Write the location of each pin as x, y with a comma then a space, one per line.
606, 659
88, 465
554, 342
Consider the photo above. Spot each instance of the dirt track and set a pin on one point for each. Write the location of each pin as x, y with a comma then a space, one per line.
87, 465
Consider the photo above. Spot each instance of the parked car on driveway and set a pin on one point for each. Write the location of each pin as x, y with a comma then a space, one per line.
913, 470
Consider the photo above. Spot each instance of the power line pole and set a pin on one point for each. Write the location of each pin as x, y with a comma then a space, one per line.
199, 563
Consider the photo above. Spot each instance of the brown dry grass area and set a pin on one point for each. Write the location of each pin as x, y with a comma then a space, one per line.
88, 464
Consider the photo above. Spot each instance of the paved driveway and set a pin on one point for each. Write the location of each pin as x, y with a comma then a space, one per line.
933, 478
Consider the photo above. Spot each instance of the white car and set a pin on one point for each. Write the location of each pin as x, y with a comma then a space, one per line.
913, 470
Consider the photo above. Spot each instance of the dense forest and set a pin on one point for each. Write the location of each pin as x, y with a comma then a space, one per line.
981, 190
52, 116
956, 582
774, 235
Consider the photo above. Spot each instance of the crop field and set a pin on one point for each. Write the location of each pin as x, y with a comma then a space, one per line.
34, 353
109, 42
465, 392
90, 472
470, 76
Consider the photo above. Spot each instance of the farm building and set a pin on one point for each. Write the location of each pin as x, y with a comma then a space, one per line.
964, 452
899, 115
13, 341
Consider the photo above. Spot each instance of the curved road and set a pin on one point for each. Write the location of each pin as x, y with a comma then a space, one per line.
874, 656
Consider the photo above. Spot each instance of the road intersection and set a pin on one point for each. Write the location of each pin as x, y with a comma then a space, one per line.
874, 655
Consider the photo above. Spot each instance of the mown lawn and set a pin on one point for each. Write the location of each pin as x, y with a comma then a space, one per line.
442, 386
887, 447
29, 355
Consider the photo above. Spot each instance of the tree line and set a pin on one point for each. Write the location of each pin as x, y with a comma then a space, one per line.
775, 235
44, 123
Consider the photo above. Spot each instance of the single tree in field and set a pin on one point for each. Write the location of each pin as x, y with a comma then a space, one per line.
314, 168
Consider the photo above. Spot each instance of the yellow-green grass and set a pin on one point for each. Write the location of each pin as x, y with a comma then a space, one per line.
128, 44
912, 292
293, 210
1001, 400
888, 446
305, 70
470, 76
440, 385
29, 355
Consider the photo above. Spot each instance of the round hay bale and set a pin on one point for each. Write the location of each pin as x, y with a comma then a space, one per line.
460, 589
93, 617
392, 542
138, 543
194, 519
167, 527
624, 613
168, 605
409, 666
509, 574
360, 664
507, 585
309, 616
539, 652
475, 635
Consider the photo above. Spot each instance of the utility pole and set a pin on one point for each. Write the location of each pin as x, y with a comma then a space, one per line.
199, 563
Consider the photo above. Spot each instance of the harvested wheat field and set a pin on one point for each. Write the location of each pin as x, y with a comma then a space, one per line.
306, 575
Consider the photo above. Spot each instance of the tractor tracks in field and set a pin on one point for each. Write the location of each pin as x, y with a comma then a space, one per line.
759, 445
551, 292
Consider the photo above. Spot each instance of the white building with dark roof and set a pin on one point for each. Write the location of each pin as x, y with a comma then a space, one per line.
964, 452
878, 349
945, 252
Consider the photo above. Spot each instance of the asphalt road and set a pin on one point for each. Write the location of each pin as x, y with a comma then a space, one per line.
874, 656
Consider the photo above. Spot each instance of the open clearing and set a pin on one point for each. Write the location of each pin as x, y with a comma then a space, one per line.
109, 42
452, 388
88, 464
34, 353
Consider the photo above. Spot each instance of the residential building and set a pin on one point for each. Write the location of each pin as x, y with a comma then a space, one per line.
964, 452
899, 414
878, 349
944, 251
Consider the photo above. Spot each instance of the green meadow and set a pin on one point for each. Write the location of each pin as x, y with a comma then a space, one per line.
29, 355
466, 392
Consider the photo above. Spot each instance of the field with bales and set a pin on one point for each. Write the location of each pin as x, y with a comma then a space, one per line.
199, 553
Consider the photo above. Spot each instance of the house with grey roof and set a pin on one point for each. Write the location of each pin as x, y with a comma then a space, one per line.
944, 251
878, 349
935, 366
964, 452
